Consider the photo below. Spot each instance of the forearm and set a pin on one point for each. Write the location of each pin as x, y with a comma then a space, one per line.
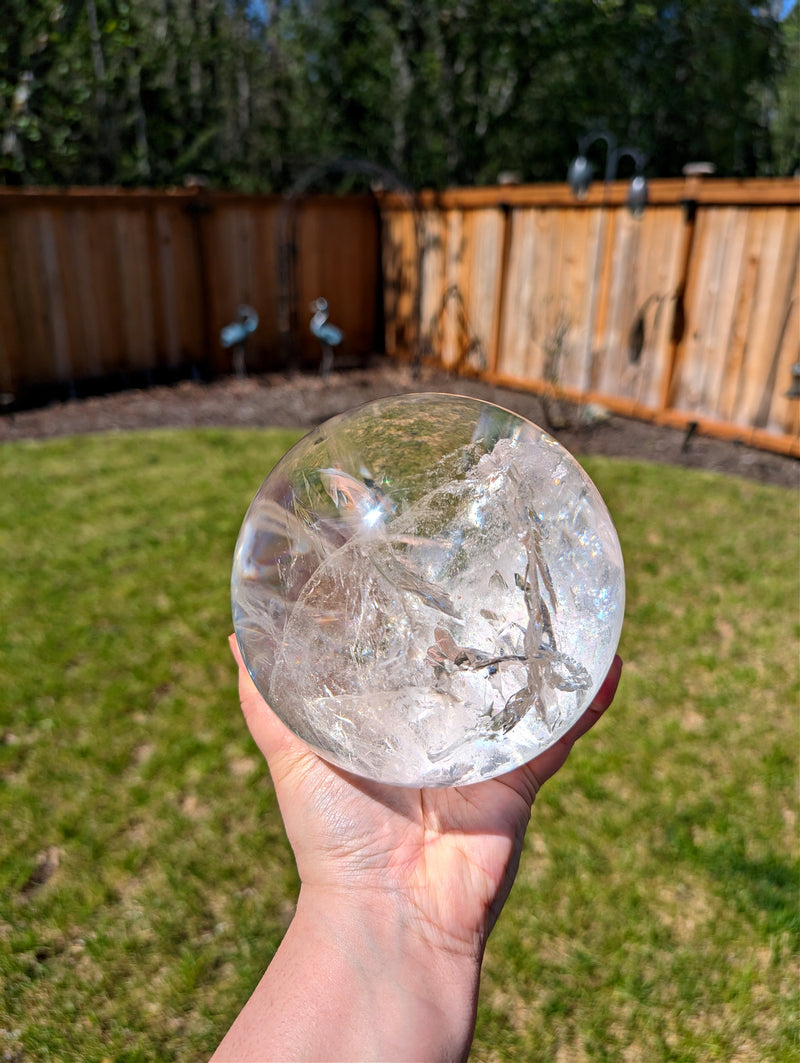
350, 984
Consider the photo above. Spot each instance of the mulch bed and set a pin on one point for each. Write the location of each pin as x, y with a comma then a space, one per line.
304, 400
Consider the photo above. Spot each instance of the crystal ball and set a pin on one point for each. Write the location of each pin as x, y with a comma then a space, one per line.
428, 590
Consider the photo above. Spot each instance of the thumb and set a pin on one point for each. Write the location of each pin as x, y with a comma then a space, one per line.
271, 735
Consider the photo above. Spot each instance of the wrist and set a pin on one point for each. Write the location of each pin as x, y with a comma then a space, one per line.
382, 954
395, 922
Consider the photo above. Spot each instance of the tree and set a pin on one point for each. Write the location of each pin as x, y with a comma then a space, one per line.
785, 117
251, 93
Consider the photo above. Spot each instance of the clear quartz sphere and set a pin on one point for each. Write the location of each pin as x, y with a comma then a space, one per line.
428, 590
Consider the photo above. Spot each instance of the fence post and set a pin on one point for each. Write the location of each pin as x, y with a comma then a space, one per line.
689, 202
197, 208
497, 326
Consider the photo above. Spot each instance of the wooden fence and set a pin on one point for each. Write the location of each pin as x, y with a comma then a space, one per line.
97, 283
687, 315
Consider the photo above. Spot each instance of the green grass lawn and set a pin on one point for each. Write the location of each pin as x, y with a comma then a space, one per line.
144, 877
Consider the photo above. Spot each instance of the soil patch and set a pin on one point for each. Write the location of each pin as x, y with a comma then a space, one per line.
303, 400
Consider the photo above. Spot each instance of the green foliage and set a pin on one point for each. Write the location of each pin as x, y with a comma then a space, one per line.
786, 121
251, 94
145, 879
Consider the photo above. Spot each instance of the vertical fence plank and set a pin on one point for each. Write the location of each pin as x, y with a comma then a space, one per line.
108, 307
159, 358
607, 262
190, 270
137, 307
745, 286
775, 256
493, 352
70, 265
721, 303
568, 341
10, 317
456, 245
583, 314
710, 328
544, 314
783, 415
433, 256
513, 342
221, 282
665, 265
165, 287
54, 303
617, 306
266, 281
28, 295
83, 294
391, 248
684, 390
483, 291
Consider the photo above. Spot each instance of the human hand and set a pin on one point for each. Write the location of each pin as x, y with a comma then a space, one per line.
400, 888
446, 856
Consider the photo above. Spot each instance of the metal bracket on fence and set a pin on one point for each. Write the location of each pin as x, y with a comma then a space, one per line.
794, 390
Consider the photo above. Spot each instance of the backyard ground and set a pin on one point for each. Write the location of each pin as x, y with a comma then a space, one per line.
145, 875
303, 400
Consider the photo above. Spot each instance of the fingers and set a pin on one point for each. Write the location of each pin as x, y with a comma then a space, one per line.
548, 763
270, 734
602, 700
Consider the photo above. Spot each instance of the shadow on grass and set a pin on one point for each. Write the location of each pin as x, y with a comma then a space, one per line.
768, 886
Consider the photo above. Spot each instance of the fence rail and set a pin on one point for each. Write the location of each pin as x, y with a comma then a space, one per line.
687, 315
